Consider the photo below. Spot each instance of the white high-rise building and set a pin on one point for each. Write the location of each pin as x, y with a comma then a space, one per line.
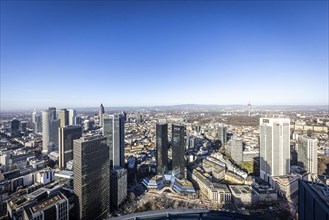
37, 122
101, 112
45, 131
274, 149
72, 114
50, 127
308, 154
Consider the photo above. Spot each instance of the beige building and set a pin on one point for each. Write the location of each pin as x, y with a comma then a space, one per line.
286, 185
215, 192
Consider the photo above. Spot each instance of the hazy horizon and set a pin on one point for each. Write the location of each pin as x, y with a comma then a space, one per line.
178, 106
143, 53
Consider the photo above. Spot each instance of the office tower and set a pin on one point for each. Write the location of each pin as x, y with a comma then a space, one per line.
52, 113
50, 127
222, 134
236, 150
178, 149
249, 109
132, 169
23, 126
72, 114
101, 114
37, 122
45, 131
14, 127
313, 201
118, 187
162, 148
139, 117
66, 136
113, 129
308, 154
64, 117
274, 147
91, 177
77, 120
55, 124
124, 115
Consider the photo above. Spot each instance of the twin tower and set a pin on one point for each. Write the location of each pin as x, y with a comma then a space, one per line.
178, 149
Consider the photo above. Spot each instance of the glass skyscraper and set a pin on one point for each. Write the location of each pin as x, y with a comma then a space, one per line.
162, 148
178, 149
91, 177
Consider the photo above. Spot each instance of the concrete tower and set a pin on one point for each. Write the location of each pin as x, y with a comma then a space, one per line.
274, 147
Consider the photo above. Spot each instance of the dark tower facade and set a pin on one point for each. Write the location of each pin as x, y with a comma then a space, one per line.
91, 177
162, 148
178, 149
66, 136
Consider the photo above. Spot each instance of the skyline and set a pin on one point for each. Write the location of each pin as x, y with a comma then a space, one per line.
80, 54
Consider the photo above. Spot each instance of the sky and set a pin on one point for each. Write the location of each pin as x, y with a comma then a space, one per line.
147, 53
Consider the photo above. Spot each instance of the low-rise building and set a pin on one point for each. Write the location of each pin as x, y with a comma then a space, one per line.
215, 192
241, 195
285, 185
263, 194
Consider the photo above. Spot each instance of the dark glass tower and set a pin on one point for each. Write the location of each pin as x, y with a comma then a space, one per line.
15, 127
178, 149
313, 200
114, 131
91, 177
66, 136
162, 148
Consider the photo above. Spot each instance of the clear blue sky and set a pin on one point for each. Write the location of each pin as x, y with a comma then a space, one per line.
133, 53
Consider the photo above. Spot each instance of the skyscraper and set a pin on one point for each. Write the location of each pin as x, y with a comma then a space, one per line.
118, 187
101, 114
72, 114
50, 127
222, 134
274, 147
37, 122
308, 154
64, 117
178, 149
14, 127
236, 150
91, 177
114, 131
45, 131
313, 201
162, 148
66, 136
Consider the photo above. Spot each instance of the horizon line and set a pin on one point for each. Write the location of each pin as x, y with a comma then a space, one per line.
174, 105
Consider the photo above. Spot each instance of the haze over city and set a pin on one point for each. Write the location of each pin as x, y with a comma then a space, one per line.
130, 110
82, 53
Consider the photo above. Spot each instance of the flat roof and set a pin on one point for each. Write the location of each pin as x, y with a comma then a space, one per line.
285, 180
45, 203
